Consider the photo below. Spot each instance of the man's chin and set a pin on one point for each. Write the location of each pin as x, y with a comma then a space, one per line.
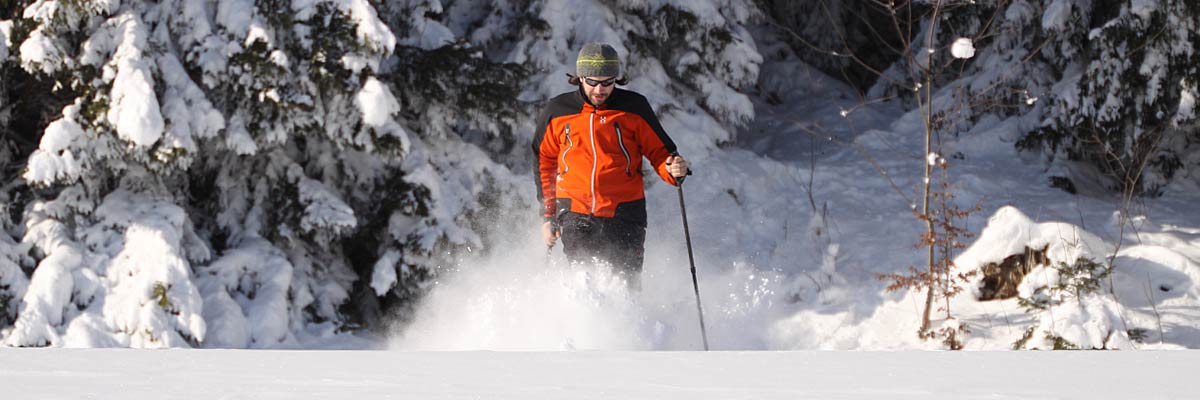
599, 100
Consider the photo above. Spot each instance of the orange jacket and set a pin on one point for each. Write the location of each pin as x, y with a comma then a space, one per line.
589, 159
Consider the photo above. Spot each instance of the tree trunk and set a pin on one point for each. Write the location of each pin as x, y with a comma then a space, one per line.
925, 102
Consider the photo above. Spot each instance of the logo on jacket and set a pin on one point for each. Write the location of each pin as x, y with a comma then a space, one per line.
603, 119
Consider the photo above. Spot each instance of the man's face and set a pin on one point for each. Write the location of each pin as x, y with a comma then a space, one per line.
598, 88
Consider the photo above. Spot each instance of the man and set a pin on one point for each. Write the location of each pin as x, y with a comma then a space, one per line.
589, 146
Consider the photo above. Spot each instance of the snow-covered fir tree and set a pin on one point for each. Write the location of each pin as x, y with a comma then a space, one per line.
848, 39
1110, 84
1128, 105
251, 174
201, 133
13, 281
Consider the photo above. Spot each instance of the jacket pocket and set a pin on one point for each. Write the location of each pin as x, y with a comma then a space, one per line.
621, 144
563, 157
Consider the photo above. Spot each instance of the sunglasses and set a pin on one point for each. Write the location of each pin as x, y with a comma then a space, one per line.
606, 82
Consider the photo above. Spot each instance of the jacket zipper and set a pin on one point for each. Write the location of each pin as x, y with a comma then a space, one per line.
595, 156
567, 133
621, 143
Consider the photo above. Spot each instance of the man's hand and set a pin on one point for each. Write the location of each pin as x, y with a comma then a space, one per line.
550, 233
677, 166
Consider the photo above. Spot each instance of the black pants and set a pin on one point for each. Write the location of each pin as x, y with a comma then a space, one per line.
620, 243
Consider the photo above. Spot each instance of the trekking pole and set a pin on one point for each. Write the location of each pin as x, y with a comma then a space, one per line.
549, 253
692, 260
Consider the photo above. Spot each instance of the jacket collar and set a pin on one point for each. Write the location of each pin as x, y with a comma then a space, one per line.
587, 103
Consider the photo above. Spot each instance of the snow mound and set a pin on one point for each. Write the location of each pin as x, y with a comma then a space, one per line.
1009, 232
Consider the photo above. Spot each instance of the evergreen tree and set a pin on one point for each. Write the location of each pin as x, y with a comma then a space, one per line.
13, 281
105, 144
1109, 83
1127, 104
847, 39
252, 173
308, 131
1065, 297
202, 133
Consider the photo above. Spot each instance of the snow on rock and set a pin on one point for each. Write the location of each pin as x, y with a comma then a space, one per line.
1086, 320
1009, 232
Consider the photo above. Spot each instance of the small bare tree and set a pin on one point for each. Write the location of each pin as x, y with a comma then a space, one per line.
923, 65
940, 279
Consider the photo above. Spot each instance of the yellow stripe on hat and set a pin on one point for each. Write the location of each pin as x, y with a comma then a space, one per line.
596, 62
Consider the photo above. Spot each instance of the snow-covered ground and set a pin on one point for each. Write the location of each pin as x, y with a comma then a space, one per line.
792, 225
52, 374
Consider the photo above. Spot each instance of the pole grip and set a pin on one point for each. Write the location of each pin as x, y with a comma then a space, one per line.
679, 179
